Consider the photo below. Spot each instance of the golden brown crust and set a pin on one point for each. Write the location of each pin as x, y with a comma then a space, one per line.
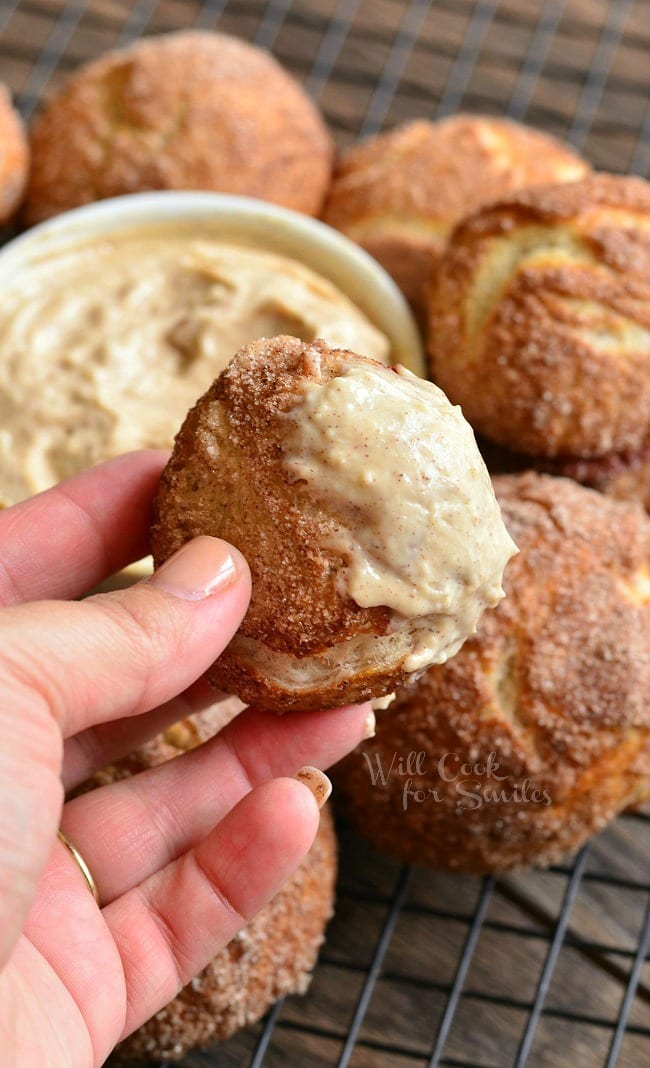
14, 157
239, 675
555, 684
273, 956
401, 193
540, 318
226, 478
186, 110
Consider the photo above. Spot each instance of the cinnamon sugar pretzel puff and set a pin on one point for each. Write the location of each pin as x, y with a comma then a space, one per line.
359, 498
189, 110
538, 733
540, 319
401, 193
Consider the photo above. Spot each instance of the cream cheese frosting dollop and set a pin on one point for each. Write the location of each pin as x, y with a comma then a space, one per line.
417, 525
105, 345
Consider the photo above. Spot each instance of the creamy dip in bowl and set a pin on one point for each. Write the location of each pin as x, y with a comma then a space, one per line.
115, 317
104, 346
84, 370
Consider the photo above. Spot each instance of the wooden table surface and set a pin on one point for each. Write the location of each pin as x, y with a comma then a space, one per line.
581, 70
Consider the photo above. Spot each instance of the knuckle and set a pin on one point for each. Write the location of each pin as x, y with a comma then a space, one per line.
33, 683
180, 964
164, 814
145, 627
223, 900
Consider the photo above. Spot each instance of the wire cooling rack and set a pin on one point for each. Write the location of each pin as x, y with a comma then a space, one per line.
544, 969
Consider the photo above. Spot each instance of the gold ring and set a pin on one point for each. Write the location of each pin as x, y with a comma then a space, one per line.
81, 864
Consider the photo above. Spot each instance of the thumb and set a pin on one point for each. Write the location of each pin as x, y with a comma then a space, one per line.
65, 666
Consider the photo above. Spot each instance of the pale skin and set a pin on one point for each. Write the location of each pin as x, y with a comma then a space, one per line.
183, 855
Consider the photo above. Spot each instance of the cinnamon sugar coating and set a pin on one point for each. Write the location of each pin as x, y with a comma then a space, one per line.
555, 685
186, 110
14, 157
540, 319
401, 193
273, 955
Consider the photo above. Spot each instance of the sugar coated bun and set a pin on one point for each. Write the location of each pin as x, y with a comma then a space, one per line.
540, 318
401, 193
14, 157
359, 498
538, 732
185, 110
273, 956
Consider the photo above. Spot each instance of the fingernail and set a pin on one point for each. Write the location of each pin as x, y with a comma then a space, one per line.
317, 782
369, 727
199, 569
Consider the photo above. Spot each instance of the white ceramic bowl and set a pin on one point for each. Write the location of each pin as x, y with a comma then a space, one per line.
253, 222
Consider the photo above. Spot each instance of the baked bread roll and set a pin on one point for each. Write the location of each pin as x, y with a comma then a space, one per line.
273, 956
538, 732
358, 496
401, 193
540, 319
14, 157
186, 110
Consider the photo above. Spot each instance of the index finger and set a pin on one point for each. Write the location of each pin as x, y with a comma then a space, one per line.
61, 543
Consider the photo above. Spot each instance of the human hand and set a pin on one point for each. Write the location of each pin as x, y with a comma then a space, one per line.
183, 854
